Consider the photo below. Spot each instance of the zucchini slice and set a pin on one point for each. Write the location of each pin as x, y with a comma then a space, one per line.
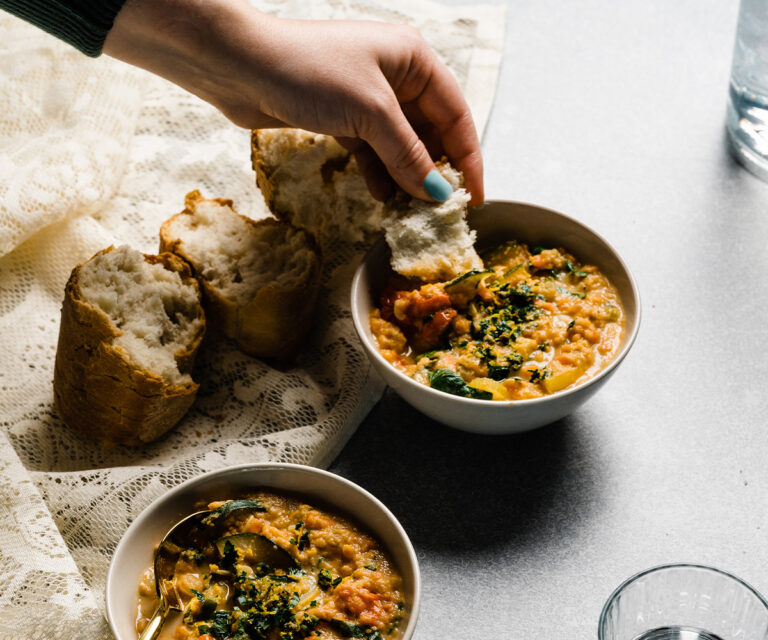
466, 283
263, 550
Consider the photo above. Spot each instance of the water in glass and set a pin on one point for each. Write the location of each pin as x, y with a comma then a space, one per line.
677, 633
747, 119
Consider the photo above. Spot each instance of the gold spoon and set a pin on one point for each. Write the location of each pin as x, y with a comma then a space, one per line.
196, 531
166, 554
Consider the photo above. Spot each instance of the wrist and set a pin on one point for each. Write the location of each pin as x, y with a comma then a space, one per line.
192, 43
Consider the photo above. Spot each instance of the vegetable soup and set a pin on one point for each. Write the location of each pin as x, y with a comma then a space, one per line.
529, 324
333, 581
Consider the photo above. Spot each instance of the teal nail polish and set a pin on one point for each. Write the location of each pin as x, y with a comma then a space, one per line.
437, 186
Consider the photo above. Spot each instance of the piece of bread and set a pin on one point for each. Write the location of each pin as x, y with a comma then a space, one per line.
432, 241
259, 279
131, 325
311, 181
314, 182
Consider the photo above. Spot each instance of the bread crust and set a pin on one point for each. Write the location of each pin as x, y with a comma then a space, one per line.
275, 322
98, 391
264, 176
320, 186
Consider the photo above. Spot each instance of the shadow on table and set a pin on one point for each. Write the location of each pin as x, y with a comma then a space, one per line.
457, 490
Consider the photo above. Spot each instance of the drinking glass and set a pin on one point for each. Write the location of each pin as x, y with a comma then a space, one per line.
747, 115
684, 602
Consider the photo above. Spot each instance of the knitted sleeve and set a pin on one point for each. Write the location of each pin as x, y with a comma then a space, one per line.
82, 23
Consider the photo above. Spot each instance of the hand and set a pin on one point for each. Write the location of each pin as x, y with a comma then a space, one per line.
378, 88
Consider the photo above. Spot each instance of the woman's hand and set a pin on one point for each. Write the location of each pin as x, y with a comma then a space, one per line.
376, 87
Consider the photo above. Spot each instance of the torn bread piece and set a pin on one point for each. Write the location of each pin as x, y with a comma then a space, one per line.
311, 181
432, 241
260, 279
131, 325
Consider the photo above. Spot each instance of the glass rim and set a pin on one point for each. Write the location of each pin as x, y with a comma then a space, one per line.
673, 565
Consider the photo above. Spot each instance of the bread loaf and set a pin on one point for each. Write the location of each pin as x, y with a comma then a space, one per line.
314, 182
259, 279
311, 181
131, 325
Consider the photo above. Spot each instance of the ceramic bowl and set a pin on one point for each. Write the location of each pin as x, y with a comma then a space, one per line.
495, 222
135, 551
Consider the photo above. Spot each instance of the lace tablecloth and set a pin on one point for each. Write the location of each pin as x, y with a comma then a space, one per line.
95, 153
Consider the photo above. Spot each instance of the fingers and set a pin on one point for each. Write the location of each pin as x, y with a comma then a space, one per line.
443, 104
404, 155
432, 98
377, 179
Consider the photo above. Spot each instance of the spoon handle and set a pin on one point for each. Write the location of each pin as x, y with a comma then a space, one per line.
152, 630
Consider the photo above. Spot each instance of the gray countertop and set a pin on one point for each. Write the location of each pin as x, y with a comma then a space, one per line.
611, 112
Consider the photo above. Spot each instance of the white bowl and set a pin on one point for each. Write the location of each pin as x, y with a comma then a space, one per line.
135, 551
496, 222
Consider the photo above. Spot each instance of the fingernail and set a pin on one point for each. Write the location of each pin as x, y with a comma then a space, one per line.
437, 186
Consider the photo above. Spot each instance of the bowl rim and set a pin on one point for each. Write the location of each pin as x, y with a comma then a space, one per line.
181, 488
662, 567
528, 402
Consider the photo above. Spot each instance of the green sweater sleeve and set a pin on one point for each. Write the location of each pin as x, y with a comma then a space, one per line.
82, 23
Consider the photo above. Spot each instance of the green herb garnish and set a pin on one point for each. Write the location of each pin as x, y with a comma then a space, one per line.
325, 580
303, 541
575, 294
539, 374
573, 270
349, 630
220, 627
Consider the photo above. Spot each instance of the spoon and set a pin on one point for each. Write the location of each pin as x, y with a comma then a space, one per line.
166, 554
196, 531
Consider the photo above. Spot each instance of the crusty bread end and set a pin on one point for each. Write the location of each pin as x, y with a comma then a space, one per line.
311, 181
131, 325
259, 279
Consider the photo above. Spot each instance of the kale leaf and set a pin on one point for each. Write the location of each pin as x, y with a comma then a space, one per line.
573, 270
325, 580
229, 557
349, 630
450, 382
229, 507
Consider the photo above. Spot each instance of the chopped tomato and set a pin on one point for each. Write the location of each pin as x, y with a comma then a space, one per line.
387, 303
433, 328
361, 603
412, 306
547, 306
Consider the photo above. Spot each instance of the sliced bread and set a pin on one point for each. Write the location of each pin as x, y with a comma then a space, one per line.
259, 279
131, 325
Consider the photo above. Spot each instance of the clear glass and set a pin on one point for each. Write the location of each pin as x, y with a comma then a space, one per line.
747, 116
684, 602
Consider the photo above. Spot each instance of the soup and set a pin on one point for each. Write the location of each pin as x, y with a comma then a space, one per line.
529, 324
279, 569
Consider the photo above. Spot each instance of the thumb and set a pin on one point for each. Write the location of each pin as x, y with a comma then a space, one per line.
405, 156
